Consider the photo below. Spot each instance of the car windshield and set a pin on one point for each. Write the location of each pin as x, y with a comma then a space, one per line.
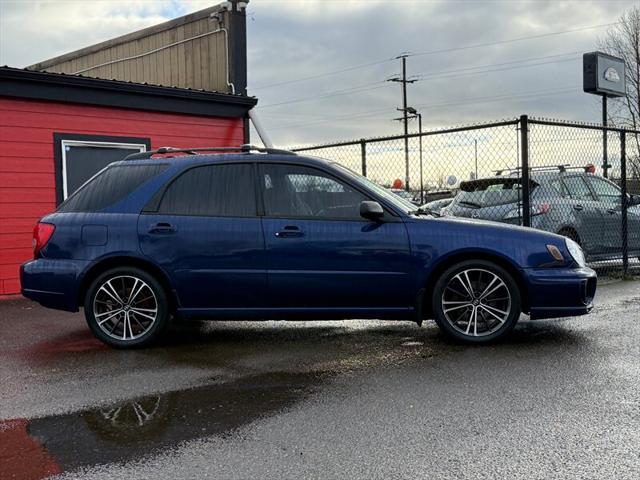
397, 201
490, 192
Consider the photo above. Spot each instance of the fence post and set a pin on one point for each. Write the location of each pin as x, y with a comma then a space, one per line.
624, 203
363, 153
524, 148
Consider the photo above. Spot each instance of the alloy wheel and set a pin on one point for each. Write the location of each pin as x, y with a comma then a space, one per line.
476, 302
125, 307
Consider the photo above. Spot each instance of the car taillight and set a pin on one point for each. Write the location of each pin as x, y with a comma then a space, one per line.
540, 209
41, 234
536, 209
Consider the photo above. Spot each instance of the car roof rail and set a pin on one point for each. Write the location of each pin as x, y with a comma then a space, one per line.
588, 168
543, 168
245, 148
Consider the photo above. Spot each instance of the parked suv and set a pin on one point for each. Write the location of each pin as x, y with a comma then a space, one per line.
279, 236
569, 201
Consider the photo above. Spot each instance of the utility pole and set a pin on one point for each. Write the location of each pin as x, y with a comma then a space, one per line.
475, 149
414, 114
605, 155
405, 116
421, 176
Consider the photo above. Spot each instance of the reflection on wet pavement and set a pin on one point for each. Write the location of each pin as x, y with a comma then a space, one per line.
141, 426
132, 429
252, 370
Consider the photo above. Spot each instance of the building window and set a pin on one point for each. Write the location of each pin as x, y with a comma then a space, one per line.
78, 157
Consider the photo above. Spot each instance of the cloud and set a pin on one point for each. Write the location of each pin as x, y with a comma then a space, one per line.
291, 48
35, 31
295, 39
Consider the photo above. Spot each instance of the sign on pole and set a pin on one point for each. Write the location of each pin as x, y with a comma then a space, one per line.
603, 74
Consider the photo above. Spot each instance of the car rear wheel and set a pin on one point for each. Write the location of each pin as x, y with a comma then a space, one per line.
476, 301
126, 307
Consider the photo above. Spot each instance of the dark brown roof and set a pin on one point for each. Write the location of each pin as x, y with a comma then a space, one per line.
24, 83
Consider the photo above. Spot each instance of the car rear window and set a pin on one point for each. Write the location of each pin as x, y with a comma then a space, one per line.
109, 186
491, 192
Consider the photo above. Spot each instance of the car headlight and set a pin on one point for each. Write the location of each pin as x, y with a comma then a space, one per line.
575, 251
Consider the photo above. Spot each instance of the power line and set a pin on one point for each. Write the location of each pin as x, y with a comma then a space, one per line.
432, 75
485, 99
494, 98
278, 115
488, 65
360, 88
513, 40
433, 52
516, 67
320, 75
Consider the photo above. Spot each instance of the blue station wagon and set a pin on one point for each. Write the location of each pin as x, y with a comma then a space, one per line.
266, 234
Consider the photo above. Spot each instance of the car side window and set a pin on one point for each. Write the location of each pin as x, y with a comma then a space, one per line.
212, 190
559, 187
297, 191
577, 188
606, 192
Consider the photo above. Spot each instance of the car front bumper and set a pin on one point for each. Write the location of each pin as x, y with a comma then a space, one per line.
52, 283
560, 292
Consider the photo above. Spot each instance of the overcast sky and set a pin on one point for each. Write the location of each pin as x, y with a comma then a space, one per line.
292, 40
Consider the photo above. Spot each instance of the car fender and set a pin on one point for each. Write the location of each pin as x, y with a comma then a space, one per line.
125, 258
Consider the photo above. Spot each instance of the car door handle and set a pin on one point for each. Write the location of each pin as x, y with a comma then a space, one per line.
578, 207
290, 231
612, 211
162, 227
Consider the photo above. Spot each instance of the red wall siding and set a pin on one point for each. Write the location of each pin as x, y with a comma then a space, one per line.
27, 179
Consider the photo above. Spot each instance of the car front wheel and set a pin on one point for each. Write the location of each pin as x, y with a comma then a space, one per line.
476, 301
126, 307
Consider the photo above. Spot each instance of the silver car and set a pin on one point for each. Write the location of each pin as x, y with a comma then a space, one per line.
577, 204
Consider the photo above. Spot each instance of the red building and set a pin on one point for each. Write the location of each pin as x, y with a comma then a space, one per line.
57, 130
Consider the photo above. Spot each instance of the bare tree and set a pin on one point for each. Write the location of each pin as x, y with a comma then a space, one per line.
623, 40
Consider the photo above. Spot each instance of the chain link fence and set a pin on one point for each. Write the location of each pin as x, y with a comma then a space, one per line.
579, 180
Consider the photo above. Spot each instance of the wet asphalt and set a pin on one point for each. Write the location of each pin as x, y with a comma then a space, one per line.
357, 399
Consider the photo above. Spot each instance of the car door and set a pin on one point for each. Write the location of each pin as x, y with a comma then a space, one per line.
582, 212
321, 254
205, 233
633, 226
610, 197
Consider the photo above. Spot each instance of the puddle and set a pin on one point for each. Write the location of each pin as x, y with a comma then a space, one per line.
32, 449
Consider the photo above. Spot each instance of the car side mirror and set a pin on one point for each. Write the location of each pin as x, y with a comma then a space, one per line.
371, 210
633, 200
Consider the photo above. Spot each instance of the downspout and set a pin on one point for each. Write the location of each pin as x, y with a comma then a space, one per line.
262, 133
218, 18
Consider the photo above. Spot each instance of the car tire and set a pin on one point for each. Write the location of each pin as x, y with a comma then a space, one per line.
476, 301
571, 234
126, 307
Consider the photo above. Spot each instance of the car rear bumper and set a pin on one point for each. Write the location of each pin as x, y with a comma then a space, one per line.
560, 292
52, 283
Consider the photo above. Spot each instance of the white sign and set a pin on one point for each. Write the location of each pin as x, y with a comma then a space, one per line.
611, 74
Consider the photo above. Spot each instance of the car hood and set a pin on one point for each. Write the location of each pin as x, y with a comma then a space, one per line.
524, 246
498, 226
